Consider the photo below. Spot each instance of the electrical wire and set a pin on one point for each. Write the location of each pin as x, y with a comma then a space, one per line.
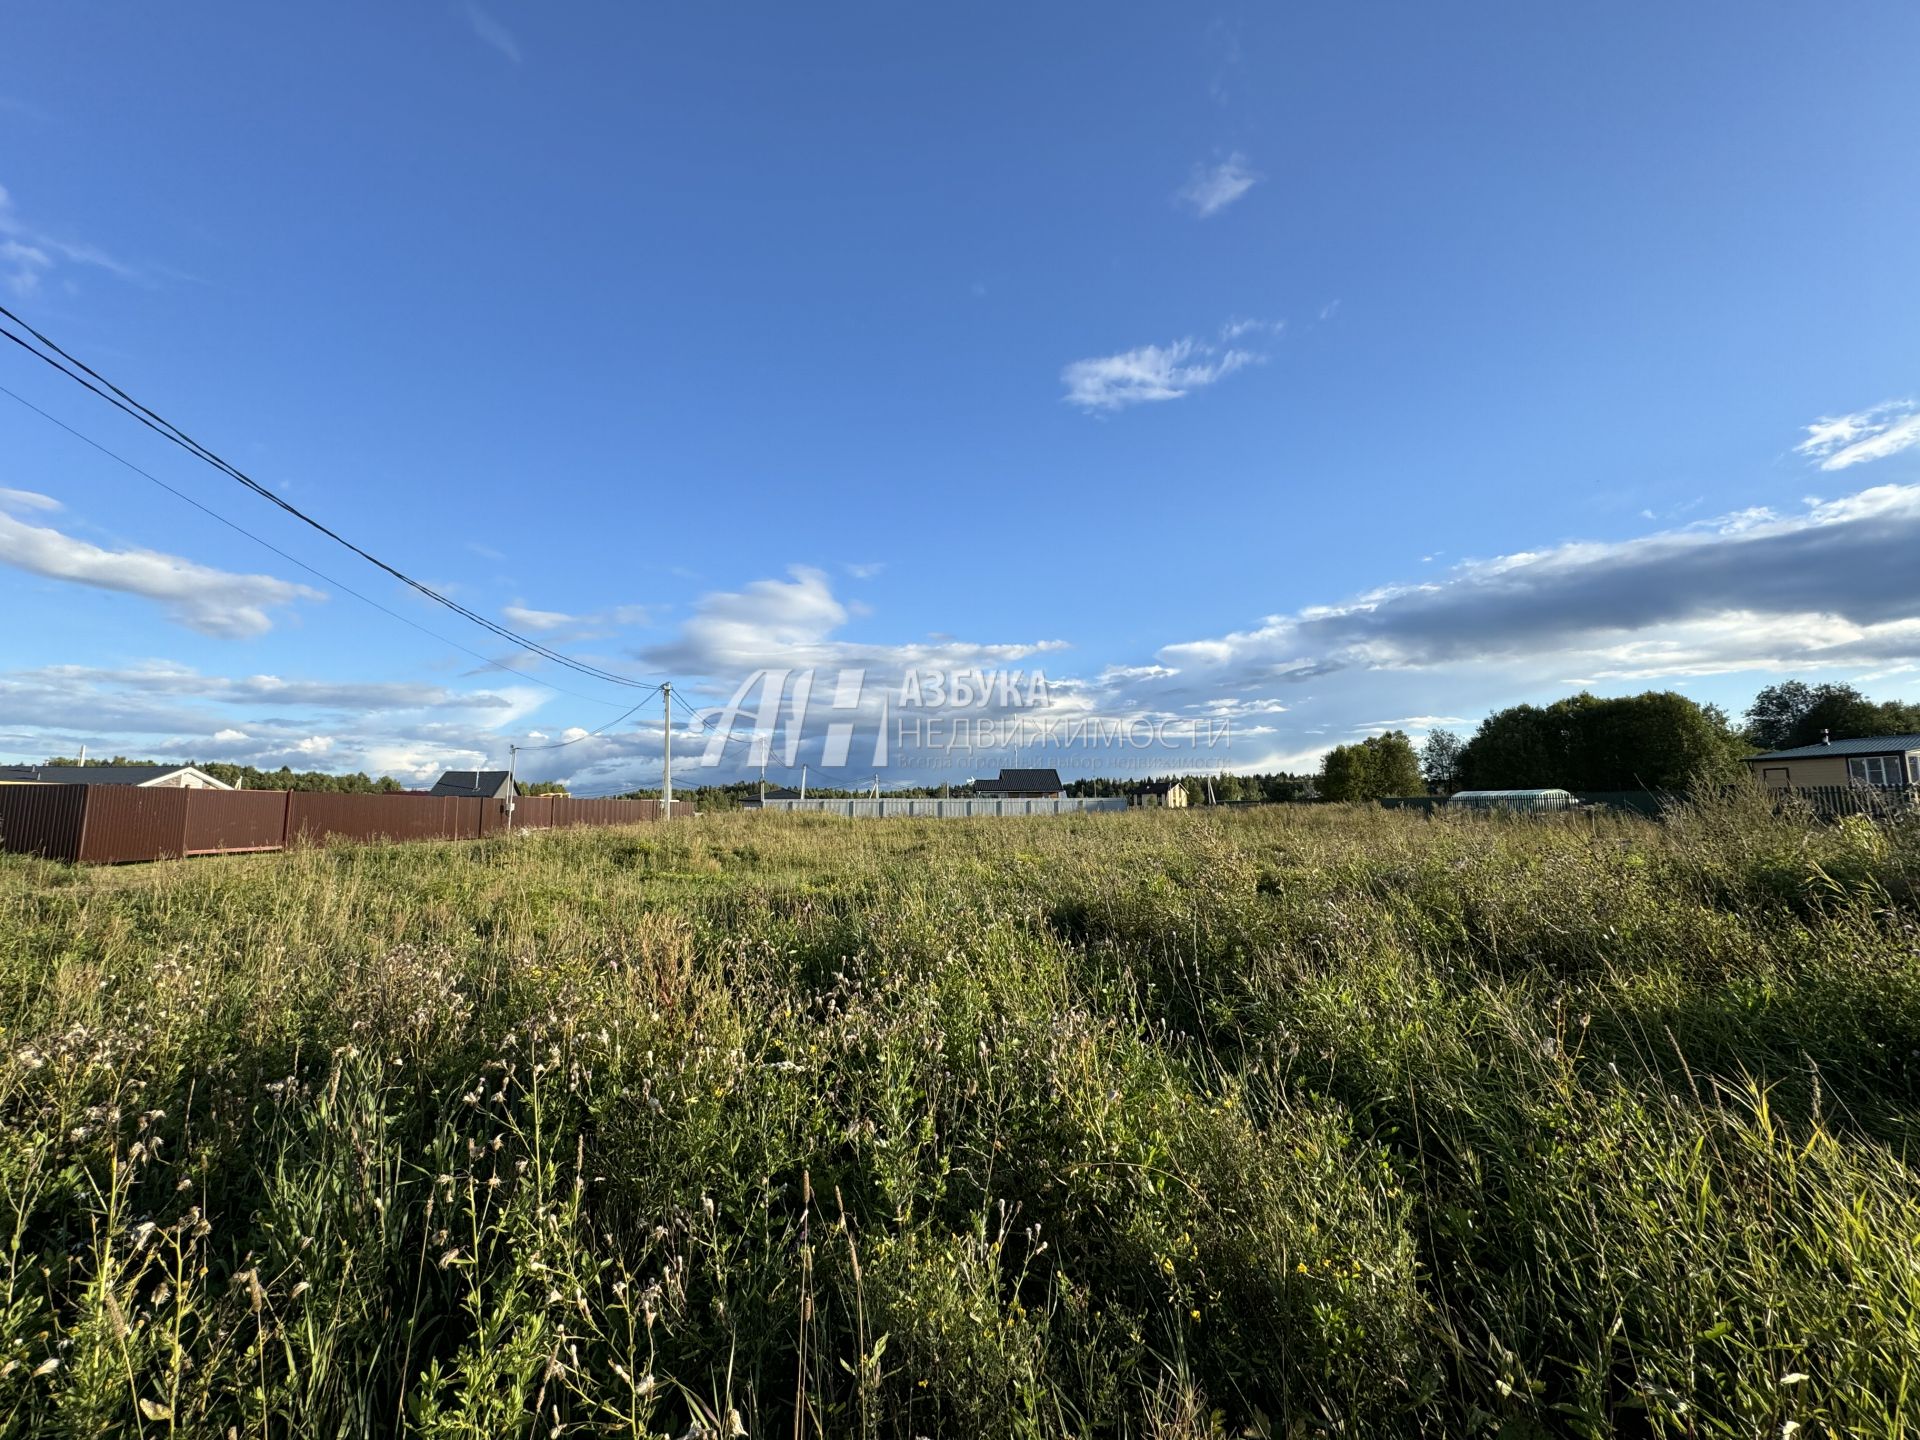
562, 744
318, 574
165, 428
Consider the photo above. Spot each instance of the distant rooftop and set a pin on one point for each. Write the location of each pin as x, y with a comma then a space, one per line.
1010, 781
97, 774
470, 784
1864, 745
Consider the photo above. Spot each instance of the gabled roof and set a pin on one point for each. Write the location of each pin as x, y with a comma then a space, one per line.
1160, 787
100, 774
1043, 780
1865, 745
482, 784
782, 793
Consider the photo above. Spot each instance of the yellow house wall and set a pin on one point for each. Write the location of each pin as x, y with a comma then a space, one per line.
1804, 774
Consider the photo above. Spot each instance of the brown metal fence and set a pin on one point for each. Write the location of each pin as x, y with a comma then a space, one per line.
43, 819
313, 816
112, 824
228, 821
126, 822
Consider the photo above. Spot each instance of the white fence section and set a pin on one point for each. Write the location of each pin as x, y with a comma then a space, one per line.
945, 809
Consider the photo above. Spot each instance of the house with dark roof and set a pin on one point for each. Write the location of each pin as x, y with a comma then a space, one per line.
475, 784
1161, 794
1880, 761
146, 777
1021, 785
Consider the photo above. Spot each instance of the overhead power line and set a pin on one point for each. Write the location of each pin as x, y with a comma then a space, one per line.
85, 376
562, 744
318, 574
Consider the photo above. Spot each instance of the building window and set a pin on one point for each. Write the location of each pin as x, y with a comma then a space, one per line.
1873, 770
1913, 769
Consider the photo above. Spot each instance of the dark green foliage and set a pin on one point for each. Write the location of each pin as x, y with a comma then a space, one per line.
1378, 766
1440, 761
1795, 713
1657, 741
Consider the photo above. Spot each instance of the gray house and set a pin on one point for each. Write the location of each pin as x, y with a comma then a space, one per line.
475, 784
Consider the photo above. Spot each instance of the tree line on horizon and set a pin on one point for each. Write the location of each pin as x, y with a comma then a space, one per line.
1658, 740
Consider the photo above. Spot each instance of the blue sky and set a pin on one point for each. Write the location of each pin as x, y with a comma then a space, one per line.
1319, 367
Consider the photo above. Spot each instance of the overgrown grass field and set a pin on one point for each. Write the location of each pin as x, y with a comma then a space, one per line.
1288, 1122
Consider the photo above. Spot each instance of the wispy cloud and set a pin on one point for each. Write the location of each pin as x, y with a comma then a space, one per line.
865, 570
1150, 372
214, 602
556, 622
492, 32
168, 709
1214, 187
28, 254
1838, 441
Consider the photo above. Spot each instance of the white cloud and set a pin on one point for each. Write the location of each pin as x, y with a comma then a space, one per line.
214, 602
28, 254
173, 711
1151, 372
1838, 441
793, 623
1214, 187
492, 32
867, 570
26, 500
523, 617
1239, 326
1833, 585
520, 616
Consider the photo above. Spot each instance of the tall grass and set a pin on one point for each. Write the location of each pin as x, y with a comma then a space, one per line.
1289, 1122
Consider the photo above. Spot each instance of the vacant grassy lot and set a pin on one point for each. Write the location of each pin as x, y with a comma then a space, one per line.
1155, 1124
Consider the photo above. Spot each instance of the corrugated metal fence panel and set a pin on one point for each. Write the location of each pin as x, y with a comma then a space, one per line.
314, 817
1876, 802
540, 812
946, 809
604, 812
533, 812
225, 820
127, 822
42, 819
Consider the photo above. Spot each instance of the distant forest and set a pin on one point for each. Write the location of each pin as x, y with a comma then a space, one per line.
1660, 740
